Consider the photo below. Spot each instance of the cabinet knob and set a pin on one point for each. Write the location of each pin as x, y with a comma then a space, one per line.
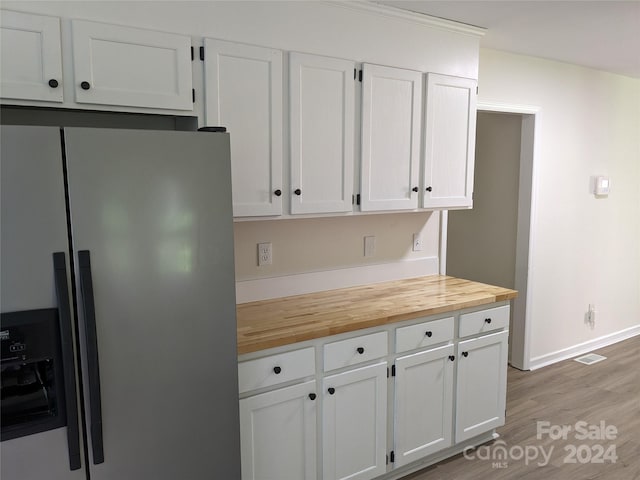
53, 83
85, 85
277, 193
429, 333
277, 370
415, 189
452, 357
331, 390
360, 350
487, 320
465, 354
297, 191
312, 396
428, 189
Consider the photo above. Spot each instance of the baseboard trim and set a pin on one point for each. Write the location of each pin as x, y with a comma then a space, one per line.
274, 287
581, 348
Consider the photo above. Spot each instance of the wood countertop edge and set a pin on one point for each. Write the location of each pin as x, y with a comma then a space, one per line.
264, 342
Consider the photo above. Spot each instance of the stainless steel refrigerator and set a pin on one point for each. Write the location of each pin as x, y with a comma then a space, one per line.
118, 304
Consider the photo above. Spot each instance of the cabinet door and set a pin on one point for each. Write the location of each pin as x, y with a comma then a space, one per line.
391, 116
278, 434
355, 423
31, 57
424, 404
450, 138
243, 86
127, 66
481, 385
322, 128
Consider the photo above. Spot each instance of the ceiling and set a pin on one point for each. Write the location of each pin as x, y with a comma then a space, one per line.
604, 34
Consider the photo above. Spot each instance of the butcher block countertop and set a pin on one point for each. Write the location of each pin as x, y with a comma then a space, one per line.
283, 321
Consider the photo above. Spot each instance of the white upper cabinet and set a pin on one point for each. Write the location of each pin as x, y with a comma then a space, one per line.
243, 86
391, 119
31, 57
450, 135
322, 133
125, 66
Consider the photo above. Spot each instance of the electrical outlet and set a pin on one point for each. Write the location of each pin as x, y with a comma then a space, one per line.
417, 242
369, 246
264, 254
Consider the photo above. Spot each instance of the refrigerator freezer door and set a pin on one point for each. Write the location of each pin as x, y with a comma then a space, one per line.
154, 212
33, 226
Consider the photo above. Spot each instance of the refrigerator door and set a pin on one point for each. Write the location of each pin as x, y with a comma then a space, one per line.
34, 226
153, 235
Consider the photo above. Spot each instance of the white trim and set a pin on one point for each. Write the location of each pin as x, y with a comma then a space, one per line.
415, 17
275, 287
521, 344
444, 228
585, 347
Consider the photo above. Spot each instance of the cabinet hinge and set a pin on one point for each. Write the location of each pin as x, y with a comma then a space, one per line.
193, 95
387, 372
192, 54
387, 459
393, 456
355, 73
202, 53
393, 370
360, 76
477, 90
358, 199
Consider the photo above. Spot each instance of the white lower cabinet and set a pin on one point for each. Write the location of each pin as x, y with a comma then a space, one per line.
423, 403
278, 434
481, 384
377, 410
354, 425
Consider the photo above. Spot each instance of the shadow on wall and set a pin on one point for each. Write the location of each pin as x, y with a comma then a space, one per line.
306, 245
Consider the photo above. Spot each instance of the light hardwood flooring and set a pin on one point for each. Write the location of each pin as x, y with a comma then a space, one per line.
563, 394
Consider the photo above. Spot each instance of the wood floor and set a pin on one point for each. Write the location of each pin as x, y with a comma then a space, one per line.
563, 394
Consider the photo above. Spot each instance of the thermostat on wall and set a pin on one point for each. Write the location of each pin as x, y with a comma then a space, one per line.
602, 185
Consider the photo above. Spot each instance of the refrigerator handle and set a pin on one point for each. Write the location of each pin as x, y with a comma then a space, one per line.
91, 339
68, 366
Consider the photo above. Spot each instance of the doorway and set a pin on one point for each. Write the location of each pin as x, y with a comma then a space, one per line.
490, 243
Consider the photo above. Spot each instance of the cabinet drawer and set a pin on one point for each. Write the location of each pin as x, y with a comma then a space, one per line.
355, 350
424, 334
274, 369
484, 321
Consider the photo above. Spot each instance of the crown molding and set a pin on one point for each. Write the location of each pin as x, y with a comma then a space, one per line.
406, 15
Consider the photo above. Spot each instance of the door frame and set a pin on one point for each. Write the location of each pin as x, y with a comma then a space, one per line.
521, 315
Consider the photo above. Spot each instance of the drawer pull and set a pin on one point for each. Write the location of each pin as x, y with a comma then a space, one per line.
312, 396
360, 350
277, 193
452, 357
465, 354
85, 85
53, 83
429, 333
487, 320
331, 390
277, 370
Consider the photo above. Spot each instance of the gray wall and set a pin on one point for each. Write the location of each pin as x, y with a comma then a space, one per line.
481, 243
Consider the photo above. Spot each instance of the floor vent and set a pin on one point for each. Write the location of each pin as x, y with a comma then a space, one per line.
590, 358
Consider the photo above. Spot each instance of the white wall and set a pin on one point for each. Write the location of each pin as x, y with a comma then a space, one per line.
585, 249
